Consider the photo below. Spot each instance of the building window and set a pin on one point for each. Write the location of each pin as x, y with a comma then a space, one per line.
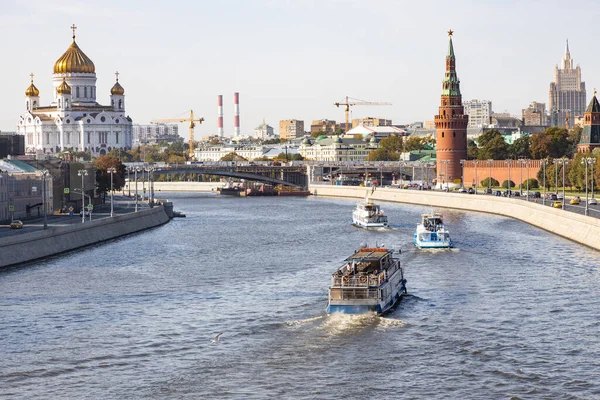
442, 134
117, 137
453, 134
85, 91
77, 91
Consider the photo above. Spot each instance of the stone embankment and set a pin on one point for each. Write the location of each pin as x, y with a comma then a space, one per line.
184, 187
39, 244
576, 227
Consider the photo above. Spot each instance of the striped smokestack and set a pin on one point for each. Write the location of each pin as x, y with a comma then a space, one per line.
220, 116
236, 114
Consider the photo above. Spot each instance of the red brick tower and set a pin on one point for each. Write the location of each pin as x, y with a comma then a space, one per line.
450, 125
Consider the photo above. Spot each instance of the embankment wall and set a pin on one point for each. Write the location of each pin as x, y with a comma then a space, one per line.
576, 227
44, 243
185, 187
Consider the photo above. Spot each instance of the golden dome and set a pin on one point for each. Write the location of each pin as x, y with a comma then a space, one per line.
64, 88
74, 61
117, 89
32, 91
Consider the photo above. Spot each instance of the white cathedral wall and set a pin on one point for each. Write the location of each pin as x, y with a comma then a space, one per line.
80, 83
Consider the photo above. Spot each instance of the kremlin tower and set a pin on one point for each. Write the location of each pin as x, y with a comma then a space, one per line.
450, 125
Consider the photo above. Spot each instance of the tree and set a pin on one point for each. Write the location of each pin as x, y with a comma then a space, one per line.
574, 137
318, 133
533, 183
233, 156
559, 142
520, 148
472, 149
388, 150
495, 148
540, 146
272, 141
290, 157
505, 184
486, 182
102, 164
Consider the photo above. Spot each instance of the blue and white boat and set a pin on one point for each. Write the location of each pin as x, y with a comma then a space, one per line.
431, 233
370, 280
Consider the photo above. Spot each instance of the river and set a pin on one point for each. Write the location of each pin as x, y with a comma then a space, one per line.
512, 312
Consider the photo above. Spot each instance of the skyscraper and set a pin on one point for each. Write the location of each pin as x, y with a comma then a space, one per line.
567, 93
450, 125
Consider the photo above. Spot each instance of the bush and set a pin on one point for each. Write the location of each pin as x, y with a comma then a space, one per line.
486, 182
505, 184
533, 183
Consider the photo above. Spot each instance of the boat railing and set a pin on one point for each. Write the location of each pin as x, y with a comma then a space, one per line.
357, 281
355, 294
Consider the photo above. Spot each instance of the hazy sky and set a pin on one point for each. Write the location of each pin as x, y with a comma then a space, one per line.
295, 58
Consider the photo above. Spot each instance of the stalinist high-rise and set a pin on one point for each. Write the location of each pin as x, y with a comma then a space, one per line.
567, 93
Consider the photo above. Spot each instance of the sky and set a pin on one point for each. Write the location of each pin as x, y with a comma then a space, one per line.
293, 59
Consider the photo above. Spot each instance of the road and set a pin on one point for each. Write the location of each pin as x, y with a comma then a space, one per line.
122, 205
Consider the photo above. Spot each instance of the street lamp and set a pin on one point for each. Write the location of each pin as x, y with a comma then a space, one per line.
111, 171
592, 171
151, 186
527, 162
82, 173
462, 174
446, 162
475, 162
521, 161
44, 173
490, 162
563, 161
136, 187
556, 162
508, 162
544, 162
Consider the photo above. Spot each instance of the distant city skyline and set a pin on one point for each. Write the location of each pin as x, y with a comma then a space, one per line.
294, 59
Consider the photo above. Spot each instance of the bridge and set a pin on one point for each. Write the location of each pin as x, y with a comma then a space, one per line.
298, 174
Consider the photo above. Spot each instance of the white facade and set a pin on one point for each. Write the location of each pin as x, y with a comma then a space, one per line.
479, 112
336, 149
74, 120
152, 133
264, 131
215, 153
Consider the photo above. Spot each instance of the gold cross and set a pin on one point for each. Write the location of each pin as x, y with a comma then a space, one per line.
450, 32
73, 27
31, 75
594, 90
117, 75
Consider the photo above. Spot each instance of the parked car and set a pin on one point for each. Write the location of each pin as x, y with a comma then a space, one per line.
471, 191
488, 191
552, 196
16, 224
462, 190
557, 204
574, 201
87, 213
497, 193
559, 196
537, 195
592, 202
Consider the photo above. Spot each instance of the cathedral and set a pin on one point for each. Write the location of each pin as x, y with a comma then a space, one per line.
74, 121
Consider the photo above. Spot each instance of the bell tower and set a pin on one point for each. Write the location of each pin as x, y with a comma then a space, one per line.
450, 125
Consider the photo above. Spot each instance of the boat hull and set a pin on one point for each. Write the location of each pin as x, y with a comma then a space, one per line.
438, 244
356, 307
368, 225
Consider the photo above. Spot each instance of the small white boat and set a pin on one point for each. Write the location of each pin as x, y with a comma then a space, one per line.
370, 280
431, 232
369, 215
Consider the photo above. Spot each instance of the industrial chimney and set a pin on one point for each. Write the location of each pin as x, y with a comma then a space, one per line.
220, 132
236, 114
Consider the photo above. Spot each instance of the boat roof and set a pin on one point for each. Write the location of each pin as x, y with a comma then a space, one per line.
369, 253
432, 215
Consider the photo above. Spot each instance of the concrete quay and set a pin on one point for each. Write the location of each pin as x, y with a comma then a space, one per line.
198, 187
38, 244
579, 228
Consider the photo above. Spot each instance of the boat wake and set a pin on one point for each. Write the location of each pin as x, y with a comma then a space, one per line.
342, 324
302, 322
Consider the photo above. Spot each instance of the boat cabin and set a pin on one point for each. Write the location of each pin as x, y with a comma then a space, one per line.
432, 222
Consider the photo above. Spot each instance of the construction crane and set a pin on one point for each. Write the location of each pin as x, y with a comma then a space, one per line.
356, 102
192, 122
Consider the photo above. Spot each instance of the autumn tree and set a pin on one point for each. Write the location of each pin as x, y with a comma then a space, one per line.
102, 164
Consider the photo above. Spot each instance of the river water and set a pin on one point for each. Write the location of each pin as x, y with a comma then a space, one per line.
512, 312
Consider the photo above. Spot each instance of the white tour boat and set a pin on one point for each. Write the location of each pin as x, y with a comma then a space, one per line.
431, 233
370, 280
369, 215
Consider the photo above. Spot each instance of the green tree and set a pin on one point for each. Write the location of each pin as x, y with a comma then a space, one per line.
486, 182
414, 143
495, 148
505, 184
520, 148
574, 137
533, 183
388, 150
472, 149
540, 146
272, 141
318, 133
559, 142
102, 164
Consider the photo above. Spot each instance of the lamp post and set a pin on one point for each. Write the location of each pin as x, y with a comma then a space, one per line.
82, 173
490, 162
544, 162
592, 170
563, 161
462, 174
135, 171
508, 162
521, 161
111, 171
446, 162
527, 162
475, 162
556, 162
129, 181
151, 184
44, 173
584, 161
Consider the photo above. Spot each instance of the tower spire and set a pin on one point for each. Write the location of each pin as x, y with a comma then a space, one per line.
450, 46
73, 28
567, 51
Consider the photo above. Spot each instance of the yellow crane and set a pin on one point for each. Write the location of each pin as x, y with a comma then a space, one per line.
192, 122
355, 102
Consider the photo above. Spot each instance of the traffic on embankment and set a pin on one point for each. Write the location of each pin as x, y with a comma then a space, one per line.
579, 228
36, 243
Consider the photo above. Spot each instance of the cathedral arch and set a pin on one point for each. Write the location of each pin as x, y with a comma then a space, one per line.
453, 134
442, 134
120, 104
